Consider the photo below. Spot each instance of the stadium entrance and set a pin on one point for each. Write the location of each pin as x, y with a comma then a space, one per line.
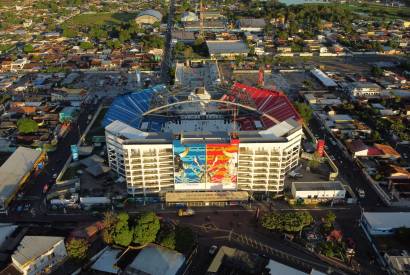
223, 198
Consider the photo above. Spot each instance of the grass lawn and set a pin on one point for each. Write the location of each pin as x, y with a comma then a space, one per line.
380, 11
99, 19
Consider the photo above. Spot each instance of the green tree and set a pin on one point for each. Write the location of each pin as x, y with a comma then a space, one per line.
376, 137
169, 240
329, 219
376, 71
27, 126
114, 44
146, 228
86, 45
304, 110
98, 33
188, 52
179, 46
28, 48
124, 36
77, 249
110, 220
69, 32
287, 222
123, 233
314, 162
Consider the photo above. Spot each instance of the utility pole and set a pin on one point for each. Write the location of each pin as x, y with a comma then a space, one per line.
201, 18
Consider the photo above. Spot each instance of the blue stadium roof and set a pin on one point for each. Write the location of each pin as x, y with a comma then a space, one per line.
129, 108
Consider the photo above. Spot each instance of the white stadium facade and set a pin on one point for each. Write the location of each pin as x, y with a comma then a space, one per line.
239, 141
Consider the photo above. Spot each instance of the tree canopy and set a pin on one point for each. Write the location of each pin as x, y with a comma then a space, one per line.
304, 110
146, 228
123, 233
168, 240
77, 249
110, 220
27, 126
287, 222
28, 48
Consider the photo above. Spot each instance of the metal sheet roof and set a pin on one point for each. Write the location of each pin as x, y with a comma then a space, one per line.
206, 196
15, 168
384, 220
152, 13
158, 260
230, 46
327, 185
31, 247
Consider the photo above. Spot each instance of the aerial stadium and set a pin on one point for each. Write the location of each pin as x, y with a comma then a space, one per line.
235, 141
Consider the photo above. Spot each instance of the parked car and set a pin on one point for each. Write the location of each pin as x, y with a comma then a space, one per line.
212, 250
361, 193
185, 212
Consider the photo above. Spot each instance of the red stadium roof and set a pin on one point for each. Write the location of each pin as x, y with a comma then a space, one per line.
276, 104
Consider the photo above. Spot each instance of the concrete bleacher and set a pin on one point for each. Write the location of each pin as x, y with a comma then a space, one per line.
129, 108
273, 103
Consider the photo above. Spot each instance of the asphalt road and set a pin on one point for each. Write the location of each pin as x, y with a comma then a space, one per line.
348, 170
33, 190
213, 229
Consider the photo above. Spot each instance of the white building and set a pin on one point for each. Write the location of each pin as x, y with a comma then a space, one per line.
384, 223
39, 254
364, 89
318, 190
189, 16
199, 148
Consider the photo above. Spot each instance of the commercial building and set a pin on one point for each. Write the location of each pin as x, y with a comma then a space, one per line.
245, 140
251, 24
384, 223
228, 49
364, 90
318, 190
15, 172
39, 254
148, 17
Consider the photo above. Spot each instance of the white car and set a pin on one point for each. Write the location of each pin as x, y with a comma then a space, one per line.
55, 176
212, 250
361, 193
